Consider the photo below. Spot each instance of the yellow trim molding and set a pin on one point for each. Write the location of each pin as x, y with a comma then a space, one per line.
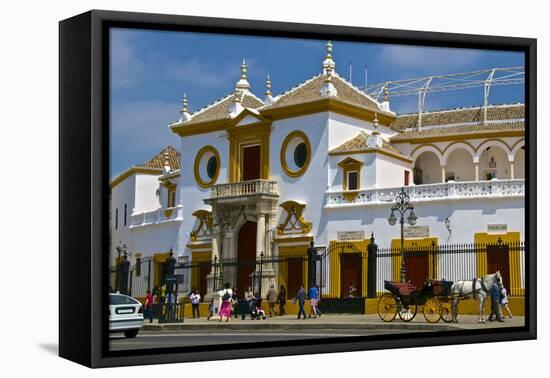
337, 248
286, 252
196, 168
204, 228
328, 105
196, 259
350, 165
133, 170
294, 222
483, 238
295, 134
373, 151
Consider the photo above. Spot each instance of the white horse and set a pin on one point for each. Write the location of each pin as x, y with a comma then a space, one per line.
479, 288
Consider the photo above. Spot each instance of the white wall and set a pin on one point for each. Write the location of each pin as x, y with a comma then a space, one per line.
190, 192
310, 187
146, 188
343, 128
467, 218
121, 194
390, 172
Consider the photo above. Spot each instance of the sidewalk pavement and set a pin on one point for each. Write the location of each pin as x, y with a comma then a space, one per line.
330, 322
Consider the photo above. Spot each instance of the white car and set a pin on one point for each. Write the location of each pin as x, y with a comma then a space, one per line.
125, 315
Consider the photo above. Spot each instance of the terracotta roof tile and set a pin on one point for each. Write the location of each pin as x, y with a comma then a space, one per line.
309, 91
359, 143
220, 109
157, 161
432, 132
460, 116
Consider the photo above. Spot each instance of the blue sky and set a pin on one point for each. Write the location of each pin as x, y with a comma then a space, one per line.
151, 70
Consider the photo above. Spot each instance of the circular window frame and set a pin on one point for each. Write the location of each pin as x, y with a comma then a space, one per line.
206, 183
289, 171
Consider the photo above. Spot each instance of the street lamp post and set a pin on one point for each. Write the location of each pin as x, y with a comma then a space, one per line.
401, 206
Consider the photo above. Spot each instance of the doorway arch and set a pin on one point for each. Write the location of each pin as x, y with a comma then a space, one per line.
246, 255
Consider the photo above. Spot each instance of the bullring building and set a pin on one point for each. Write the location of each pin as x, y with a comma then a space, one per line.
263, 176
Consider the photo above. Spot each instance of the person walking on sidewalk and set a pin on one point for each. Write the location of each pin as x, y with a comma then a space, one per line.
301, 298
281, 300
318, 302
149, 306
313, 293
272, 299
226, 296
495, 305
504, 302
195, 298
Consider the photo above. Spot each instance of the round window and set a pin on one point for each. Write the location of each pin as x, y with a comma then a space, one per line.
295, 153
212, 167
207, 166
300, 155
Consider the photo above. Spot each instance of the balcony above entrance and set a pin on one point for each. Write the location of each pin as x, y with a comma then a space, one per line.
252, 190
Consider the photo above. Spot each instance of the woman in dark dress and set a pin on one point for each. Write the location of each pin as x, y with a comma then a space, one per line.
281, 300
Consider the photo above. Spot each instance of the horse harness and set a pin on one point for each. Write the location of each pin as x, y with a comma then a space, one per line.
474, 290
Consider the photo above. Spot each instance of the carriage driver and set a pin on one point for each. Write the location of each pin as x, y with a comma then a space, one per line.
495, 304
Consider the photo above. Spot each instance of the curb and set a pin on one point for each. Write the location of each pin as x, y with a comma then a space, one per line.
297, 326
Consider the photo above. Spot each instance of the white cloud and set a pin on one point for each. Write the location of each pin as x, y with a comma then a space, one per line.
127, 68
139, 130
427, 58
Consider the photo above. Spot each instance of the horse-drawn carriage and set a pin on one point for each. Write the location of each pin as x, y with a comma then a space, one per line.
403, 299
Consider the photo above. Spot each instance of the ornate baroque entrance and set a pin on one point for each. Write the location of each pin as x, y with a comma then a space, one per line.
246, 255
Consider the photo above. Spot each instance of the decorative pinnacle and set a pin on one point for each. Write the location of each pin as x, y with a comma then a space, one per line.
185, 116
328, 62
243, 82
386, 93
184, 103
329, 49
268, 86
243, 69
375, 123
166, 161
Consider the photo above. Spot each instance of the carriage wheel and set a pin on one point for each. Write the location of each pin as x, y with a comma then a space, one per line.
407, 312
387, 307
446, 311
432, 310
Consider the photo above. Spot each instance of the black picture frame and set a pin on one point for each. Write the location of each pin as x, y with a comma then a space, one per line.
83, 181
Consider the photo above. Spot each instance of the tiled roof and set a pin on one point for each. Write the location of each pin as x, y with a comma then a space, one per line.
432, 132
157, 162
309, 91
359, 143
219, 109
464, 116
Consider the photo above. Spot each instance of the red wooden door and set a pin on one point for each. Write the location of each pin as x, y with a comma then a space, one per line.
246, 255
498, 259
417, 266
295, 267
251, 163
351, 269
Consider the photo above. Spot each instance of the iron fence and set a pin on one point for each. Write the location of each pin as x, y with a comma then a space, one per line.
370, 266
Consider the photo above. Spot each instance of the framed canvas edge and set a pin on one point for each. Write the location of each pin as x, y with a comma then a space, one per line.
99, 166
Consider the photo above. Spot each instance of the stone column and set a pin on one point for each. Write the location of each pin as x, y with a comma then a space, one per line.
260, 235
511, 170
443, 174
210, 278
476, 169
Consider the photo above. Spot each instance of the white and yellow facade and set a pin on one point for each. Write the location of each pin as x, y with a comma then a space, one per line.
320, 162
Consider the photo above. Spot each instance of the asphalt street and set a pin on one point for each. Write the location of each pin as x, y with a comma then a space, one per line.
148, 339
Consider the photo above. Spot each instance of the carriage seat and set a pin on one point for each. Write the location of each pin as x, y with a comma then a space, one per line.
404, 288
